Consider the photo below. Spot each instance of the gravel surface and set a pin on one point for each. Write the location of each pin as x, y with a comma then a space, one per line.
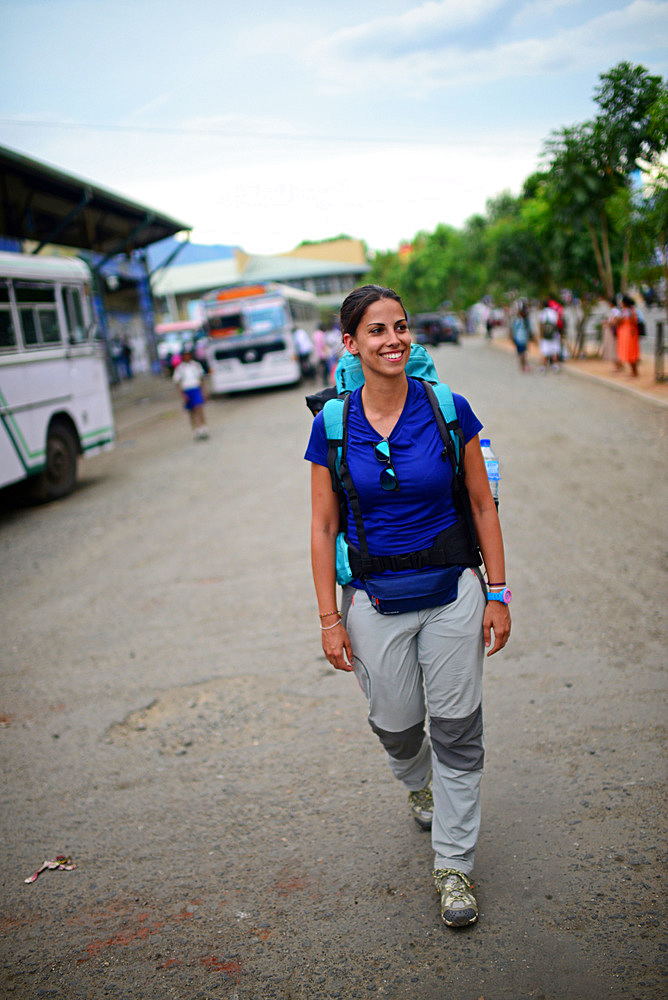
169, 721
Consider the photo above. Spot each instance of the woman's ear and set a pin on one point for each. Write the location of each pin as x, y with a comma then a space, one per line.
349, 343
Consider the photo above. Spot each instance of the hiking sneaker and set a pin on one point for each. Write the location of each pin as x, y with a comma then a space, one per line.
458, 904
422, 806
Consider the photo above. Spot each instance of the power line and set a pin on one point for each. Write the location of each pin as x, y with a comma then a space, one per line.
456, 139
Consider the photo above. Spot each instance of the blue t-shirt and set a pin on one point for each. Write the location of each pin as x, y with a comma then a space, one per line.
407, 519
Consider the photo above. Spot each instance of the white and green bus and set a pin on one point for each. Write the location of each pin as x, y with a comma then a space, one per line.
54, 389
251, 334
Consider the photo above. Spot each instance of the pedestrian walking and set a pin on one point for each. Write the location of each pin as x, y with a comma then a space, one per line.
628, 339
558, 308
304, 348
435, 642
118, 362
609, 334
522, 335
189, 376
335, 348
200, 354
550, 342
321, 354
126, 354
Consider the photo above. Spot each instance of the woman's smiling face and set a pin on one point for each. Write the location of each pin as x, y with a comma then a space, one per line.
382, 339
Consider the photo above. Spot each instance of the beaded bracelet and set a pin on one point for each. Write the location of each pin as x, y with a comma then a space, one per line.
326, 628
326, 614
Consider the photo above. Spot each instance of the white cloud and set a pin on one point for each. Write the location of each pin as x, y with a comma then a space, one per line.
142, 110
360, 52
540, 9
415, 28
235, 124
381, 195
431, 61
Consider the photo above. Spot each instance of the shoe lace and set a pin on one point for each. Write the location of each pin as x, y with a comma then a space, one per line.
456, 882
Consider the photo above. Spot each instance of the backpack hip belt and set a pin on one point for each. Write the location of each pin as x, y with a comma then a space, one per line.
451, 547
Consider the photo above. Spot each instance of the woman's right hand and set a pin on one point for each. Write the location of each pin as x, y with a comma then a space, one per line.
337, 647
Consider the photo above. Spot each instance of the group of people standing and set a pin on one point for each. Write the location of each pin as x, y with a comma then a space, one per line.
550, 329
621, 335
622, 328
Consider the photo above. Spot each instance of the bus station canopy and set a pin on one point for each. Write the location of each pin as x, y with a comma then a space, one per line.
41, 203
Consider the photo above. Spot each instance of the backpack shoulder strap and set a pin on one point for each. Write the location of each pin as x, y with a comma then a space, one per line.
443, 405
333, 416
332, 413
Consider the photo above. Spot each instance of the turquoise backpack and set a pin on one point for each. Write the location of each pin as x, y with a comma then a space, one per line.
455, 546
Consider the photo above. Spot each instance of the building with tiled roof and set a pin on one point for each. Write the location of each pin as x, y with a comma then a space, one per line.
311, 267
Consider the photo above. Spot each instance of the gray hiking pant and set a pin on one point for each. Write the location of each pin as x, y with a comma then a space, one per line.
440, 652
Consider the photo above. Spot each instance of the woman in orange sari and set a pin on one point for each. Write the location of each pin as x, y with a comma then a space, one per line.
628, 340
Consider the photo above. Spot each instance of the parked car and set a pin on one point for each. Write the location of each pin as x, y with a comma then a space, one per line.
435, 328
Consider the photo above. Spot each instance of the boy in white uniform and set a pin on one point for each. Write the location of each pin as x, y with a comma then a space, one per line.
189, 376
549, 337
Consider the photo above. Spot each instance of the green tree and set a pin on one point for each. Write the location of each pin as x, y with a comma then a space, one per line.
387, 269
581, 181
577, 224
591, 164
629, 97
650, 234
516, 248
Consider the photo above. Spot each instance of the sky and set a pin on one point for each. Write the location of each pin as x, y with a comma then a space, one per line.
262, 123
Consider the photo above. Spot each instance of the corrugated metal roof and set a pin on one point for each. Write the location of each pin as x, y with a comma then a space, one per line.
39, 202
296, 268
195, 278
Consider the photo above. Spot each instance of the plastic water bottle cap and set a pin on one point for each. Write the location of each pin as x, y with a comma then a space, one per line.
485, 442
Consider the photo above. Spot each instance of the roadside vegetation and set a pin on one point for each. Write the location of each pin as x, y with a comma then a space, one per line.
593, 219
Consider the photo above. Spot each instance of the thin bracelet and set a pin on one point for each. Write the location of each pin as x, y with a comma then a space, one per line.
326, 614
497, 584
326, 628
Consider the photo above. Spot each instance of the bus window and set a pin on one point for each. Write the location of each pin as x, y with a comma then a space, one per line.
7, 331
76, 328
39, 318
48, 326
29, 327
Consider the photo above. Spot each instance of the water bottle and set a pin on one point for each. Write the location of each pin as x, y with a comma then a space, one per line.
492, 466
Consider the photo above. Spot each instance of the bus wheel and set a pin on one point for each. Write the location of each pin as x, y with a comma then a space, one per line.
60, 474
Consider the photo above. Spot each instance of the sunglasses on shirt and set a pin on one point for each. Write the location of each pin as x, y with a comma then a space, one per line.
388, 477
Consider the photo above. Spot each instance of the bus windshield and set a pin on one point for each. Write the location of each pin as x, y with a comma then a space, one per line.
255, 320
265, 318
225, 326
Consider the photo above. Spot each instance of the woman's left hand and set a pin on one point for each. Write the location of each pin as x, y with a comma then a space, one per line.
496, 619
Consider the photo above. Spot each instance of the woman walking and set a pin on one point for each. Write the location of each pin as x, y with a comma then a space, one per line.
522, 336
395, 457
628, 340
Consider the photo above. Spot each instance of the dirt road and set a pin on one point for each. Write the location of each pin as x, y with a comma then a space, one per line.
169, 721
